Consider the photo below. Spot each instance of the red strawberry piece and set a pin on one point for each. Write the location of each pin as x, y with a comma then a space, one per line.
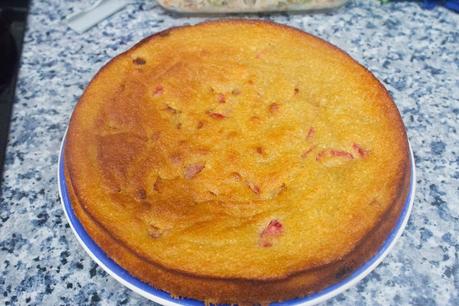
193, 170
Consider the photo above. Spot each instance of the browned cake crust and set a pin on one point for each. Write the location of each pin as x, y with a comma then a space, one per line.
215, 282
228, 291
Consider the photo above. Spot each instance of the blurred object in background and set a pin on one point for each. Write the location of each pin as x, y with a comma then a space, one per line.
450, 4
98, 11
430, 4
13, 16
247, 6
101, 9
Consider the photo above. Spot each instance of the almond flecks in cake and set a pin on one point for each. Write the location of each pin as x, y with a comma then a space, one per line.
170, 110
114, 189
176, 158
272, 231
260, 150
154, 231
326, 153
274, 108
278, 190
216, 116
340, 153
236, 92
333, 157
311, 133
375, 202
140, 194
200, 125
236, 176
360, 151
266, 244
255, 188
139, 61
193, 170
307, 151
157, 185
158, 91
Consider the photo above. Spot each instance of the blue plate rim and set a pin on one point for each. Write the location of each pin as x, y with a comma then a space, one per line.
162, 297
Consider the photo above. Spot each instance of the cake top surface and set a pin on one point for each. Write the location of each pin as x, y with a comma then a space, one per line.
236, 149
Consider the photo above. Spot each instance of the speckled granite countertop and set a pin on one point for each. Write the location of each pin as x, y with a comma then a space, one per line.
414, 52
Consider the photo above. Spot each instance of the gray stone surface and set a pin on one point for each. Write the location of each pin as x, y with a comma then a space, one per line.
414, 52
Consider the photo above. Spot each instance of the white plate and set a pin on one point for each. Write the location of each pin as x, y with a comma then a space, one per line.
156, 295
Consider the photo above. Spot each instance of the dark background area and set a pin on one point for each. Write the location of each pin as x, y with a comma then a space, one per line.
13, 17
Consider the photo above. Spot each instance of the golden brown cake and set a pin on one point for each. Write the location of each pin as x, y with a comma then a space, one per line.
237, 161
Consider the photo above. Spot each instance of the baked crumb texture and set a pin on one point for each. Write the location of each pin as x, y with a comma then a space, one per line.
237, 161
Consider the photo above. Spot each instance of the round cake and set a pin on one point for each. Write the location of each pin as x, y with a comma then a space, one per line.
237, 161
